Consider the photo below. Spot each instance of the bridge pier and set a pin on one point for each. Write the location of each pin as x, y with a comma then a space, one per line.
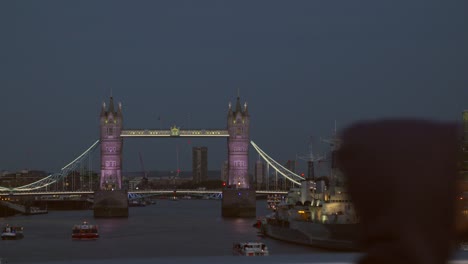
110, 203
239, 203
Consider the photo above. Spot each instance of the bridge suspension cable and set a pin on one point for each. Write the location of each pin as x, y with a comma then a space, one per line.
53, 178
291, 176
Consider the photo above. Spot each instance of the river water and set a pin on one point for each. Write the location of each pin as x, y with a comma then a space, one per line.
166, 229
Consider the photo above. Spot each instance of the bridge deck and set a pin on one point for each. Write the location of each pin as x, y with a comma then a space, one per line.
131, 192
174, 133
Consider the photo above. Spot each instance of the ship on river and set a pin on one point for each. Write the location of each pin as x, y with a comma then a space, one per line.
316, 214
319, 220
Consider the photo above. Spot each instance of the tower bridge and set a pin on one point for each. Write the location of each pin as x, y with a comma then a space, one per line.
238, 198
112, 135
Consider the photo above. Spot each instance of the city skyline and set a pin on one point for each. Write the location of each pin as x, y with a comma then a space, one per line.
299, 65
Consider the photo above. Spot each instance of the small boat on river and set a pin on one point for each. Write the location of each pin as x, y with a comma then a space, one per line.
250, 249
12, 232
85, 231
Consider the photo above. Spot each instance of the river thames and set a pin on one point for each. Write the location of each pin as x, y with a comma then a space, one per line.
181, 228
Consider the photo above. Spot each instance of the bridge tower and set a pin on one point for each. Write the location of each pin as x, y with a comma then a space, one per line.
110, 200
111, 147
238, 199
238, 146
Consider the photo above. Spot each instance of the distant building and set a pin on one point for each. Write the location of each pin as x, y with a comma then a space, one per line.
310, 170
291, 165
133, 183
23, 177
260, 174
463, 180
225, 171
199, 164
464, 166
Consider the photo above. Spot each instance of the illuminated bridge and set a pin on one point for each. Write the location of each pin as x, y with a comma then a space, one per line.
110, 144
43, 186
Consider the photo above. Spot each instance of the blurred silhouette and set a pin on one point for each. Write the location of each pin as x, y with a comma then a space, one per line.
402, 178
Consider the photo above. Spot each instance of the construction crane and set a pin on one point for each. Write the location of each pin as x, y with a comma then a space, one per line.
176, 175
310, 158
334, 142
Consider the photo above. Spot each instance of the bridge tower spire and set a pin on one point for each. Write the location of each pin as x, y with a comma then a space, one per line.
111, 147
238, 145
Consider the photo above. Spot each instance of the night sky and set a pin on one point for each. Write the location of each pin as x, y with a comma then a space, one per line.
300, 65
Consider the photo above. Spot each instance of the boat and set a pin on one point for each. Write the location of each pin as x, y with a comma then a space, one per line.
85, 231
250, 249
316, 215
258, 223
136, 203
329, 224
12, 232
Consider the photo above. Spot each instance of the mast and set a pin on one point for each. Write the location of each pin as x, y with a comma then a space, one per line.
334, 177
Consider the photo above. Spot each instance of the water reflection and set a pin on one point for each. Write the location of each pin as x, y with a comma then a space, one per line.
111, 225
240, 225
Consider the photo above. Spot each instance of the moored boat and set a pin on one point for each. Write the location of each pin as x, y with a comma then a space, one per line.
319, 213
12, 232
85, 231
250, 249
322, 223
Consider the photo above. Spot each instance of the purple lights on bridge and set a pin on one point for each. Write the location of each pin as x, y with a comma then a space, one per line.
112, 134
111, 147
238, 145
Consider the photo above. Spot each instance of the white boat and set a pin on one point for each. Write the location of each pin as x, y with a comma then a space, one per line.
12, 232
250, 249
